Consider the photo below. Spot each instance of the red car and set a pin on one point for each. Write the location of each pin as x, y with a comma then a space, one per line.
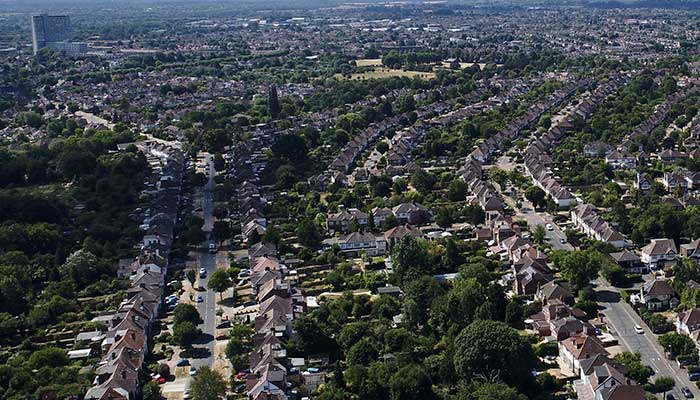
241, 375
223, 336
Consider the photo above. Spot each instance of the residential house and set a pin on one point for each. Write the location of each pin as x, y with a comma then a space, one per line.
659, 253
630, 261
579, 347
657, 295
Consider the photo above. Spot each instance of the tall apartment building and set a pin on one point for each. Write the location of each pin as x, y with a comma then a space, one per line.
53, 31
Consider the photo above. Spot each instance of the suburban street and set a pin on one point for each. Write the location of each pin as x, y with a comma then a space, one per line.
527, 212
621, 319
207, 308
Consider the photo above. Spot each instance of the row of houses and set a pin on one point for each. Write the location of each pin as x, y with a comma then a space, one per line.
537, 160
537, 157
405, 213
273, 375
124, 344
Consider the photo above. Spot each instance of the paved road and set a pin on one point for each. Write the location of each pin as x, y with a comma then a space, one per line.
207, 309
621, 318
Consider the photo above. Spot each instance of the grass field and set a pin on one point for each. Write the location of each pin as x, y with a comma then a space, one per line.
369, 62
383, 73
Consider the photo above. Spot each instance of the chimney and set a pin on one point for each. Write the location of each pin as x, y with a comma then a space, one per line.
133, 335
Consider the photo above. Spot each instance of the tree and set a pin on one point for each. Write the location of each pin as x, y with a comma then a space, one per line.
633, 364
443, 218
411, 383
536, 196
186, 313
290, 148
490, 391
474, 214
184, 333
613, 273
578, 267
410, 259
219, 281
308, 233
191, 276
151, 391
338, 379
273, 103
677, 344
457, 190
208, 385
362, 352
423, 181
539, 234
492, 349
81, 267
663, 384
48, 357
221, 230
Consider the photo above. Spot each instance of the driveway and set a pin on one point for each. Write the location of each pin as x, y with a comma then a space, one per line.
621, 318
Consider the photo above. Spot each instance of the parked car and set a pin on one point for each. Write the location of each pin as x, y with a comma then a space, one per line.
550, 227
638, 329
249, 303
223, 336
193, 371
223, 324
686, 392
240, 388
183, 363
694, 376
562, 240
200, 299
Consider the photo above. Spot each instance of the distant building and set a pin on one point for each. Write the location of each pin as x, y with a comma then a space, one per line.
53, 31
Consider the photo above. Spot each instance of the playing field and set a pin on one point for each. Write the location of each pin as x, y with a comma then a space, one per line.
383, 73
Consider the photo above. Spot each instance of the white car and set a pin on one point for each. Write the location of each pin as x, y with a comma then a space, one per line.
193, 371
550, 227
638, 329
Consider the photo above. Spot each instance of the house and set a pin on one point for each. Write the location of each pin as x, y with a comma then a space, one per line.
688, 322
673, 181
353, 244
691, 249
620, 160
630, 261
343, 221
659, 253
393, 235
642, 182
554, 290
380, 214
411, 213
657, 295
579, 347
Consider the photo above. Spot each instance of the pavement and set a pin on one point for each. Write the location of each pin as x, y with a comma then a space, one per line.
621, 318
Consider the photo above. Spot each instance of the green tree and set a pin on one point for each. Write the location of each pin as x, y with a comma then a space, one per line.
443, 218
490, 391
291, 148
362, 352
492, 349
307, 233
186, 313
663, 384
423, 181
536, 196
633, 364
151, 391
411, 383
48, 357
457, 190
578, 267
677, 344
273, 103
219, 281
184, 333
410, 259
208, 385
539, 234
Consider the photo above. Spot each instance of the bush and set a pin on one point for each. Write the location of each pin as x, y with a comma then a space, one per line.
547, 349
